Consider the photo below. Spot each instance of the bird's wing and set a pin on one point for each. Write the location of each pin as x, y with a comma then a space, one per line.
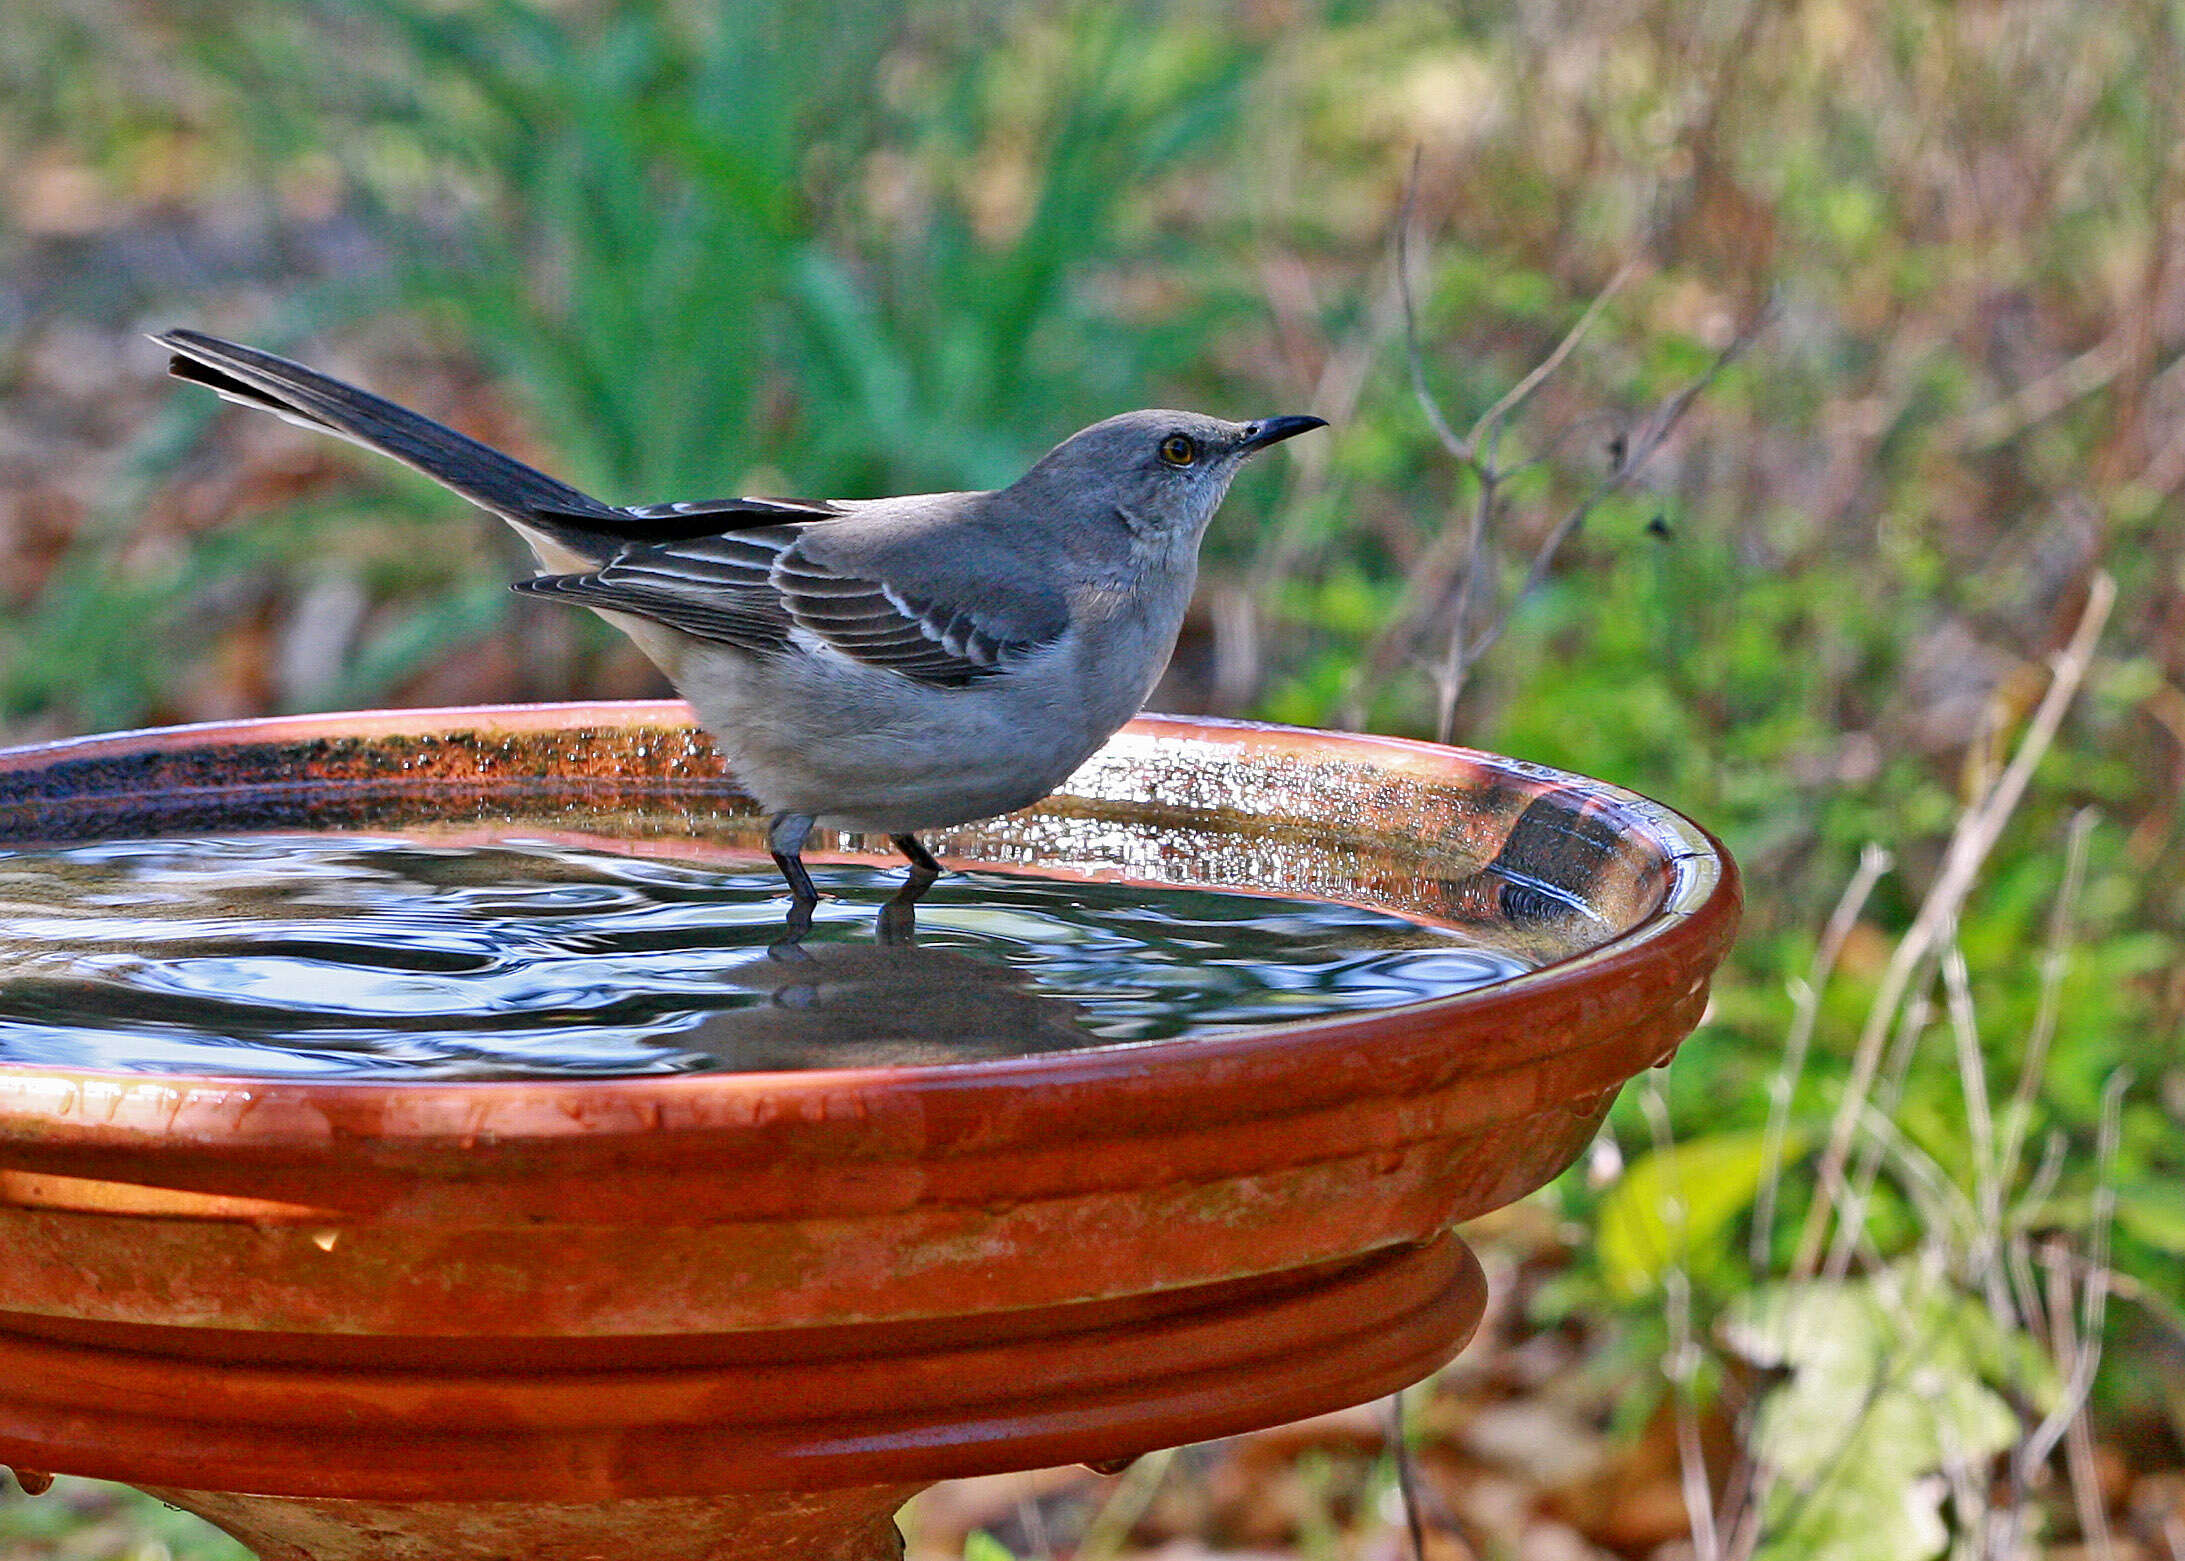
718, 588
764, 590
890, 623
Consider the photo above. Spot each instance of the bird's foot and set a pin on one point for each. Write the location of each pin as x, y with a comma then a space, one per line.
923, 868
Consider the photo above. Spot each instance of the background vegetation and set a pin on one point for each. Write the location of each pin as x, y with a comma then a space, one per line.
672, 249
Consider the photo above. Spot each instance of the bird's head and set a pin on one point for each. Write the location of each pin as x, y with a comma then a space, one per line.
1162, 474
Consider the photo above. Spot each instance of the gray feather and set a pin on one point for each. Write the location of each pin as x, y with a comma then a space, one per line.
751, 588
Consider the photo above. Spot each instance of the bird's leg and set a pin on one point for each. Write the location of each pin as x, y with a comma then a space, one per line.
923, 869
785, 835
899, 917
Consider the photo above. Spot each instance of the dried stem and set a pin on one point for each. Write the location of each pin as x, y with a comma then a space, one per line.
1805, 1013
1876, 1108
2055, 954
1683, 1360
1407, 1482
1985, 1237
1449, 684
1459, 448
1119, 1514
2086, 1495
1522, 391
2094, 1292
2075, 1335
1976, 835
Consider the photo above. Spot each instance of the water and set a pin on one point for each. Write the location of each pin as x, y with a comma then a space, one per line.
395, 958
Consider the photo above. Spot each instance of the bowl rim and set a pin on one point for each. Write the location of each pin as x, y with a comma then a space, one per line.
1691, 924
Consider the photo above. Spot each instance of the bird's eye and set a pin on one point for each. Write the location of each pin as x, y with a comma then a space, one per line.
1179, 449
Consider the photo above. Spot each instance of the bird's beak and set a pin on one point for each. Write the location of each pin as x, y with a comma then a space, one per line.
1273, 430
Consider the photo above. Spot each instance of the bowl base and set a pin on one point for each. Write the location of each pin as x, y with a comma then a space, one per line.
855, 1524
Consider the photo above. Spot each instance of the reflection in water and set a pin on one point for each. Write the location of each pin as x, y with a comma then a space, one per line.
884, 1003
369, 958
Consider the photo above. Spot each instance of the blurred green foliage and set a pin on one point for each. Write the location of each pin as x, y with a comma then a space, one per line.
88, 1520
852, 247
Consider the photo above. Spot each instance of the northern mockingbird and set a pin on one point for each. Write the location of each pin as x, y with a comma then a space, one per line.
877, 665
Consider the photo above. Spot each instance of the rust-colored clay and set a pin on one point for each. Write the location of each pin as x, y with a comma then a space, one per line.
471, 1300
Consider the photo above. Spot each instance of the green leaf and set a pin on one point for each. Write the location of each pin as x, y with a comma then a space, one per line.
982, 1546
1676, 1202
1893, 1378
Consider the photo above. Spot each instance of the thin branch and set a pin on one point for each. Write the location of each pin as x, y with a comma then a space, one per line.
1450, 684
1407, 1483
1943, 1207
2039, 1189
1552, 446
1683, 1357
1033, 1522
1460, 448
1654, 431
1521, 392
1466, 449
1451, 572
1854, 1194
1336, 393
2038, 400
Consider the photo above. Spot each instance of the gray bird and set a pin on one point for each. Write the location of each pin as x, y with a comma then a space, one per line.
877, 665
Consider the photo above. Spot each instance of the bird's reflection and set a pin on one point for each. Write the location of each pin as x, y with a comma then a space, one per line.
880, 1004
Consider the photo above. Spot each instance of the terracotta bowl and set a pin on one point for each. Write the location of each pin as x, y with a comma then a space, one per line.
751, 1312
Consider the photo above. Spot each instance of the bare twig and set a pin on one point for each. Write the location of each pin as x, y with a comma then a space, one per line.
1451, 575
2040, 399
1459, 448
2018, 1253
1467, 449
1975, 837
1522, 391
1638, 448
1335, 394
1683, 1361
1449, 683
1407, 1484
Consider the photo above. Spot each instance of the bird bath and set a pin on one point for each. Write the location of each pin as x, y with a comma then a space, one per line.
727, 1313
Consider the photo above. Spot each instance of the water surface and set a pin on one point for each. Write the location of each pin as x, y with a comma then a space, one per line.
385, 958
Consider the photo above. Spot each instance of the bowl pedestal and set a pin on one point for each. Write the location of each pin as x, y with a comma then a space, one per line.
847, 1525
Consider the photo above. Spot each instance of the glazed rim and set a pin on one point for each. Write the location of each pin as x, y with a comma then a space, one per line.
1688, 887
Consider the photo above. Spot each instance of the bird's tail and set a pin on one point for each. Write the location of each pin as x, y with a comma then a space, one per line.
320, 402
